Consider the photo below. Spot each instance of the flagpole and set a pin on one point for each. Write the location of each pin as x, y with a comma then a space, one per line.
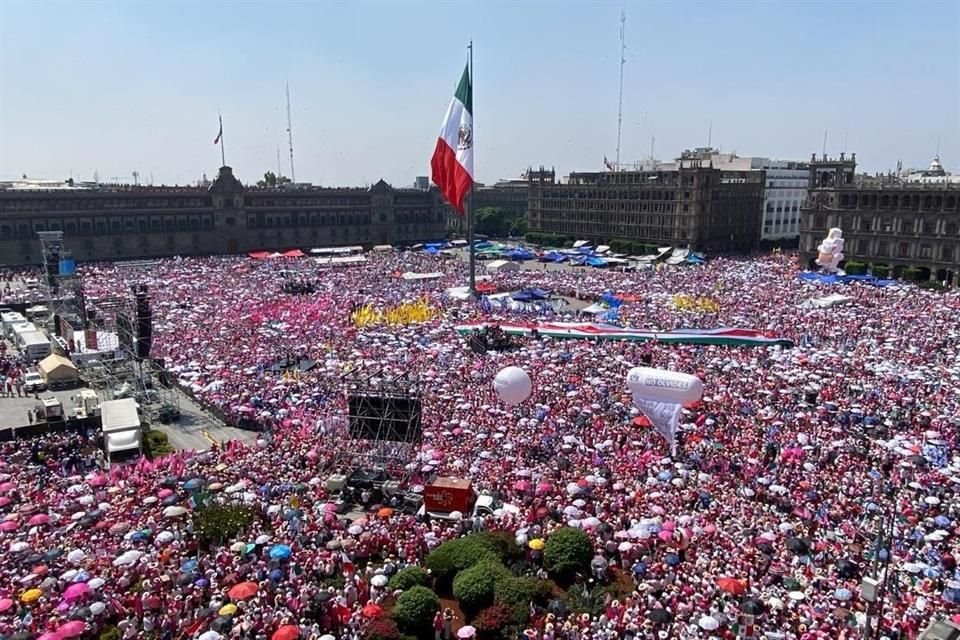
223, 157
470, 243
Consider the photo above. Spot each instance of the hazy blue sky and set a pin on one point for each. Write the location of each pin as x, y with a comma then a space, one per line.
115, 87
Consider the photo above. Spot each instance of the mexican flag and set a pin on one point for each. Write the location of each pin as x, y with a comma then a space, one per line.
452, 162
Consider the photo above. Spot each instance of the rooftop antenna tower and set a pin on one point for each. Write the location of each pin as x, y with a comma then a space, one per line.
938, 148
623, 61
279, 168
709, 133
824, 150
293, 174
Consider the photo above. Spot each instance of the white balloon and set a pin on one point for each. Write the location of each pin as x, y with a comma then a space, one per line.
664, 386
512, 385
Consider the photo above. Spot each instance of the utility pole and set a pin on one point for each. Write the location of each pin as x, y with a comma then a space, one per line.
293, 173
623, 61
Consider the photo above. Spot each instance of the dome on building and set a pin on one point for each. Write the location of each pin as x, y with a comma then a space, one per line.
935, 168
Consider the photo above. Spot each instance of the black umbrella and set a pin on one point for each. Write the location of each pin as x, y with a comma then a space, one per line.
34, 558
660, 616
557, 607
185, 579
917, 460
52, 554
752, 607
324, 596
170, 500
170, 481
766, 548
82, 613
221, 624
847, 569
798, 546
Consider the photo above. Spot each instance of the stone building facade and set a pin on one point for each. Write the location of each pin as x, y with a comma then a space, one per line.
686, 203
109, 223
886, 220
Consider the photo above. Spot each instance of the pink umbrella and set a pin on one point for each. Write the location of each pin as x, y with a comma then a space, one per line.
669, 525
163, 493
40, 518
4, 501
49, 635
330, 507
6, 487
98, 480
544, 487
76, 591
521, 485
666, 536
8, 525
5, 605
72, 629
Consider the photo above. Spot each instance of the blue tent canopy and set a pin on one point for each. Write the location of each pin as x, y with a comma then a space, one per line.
432, 250
832, 278
597, 262
529, 295
520, 254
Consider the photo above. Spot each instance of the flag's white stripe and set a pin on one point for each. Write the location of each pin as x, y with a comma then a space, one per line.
457, 117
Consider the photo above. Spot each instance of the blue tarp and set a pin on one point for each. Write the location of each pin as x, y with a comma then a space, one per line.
596, 262
695, 259
611, 300
553, 256
436, 245
482, 244
432, 250
831, 278
520, 254
527, 295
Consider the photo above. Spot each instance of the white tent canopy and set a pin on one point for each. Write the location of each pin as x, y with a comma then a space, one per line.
122, 441
502, 265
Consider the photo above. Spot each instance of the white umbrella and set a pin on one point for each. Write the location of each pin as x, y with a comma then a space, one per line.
174, 512
76, 556
164, 537
708, 623
379, 580
127, 558
96, 583
97, 608
209, 635
796, 595
262, 539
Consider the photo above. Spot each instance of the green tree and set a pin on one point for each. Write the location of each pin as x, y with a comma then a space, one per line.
517, 593
568, 550
473, 588
415, 609
410, 577
216, 523
270, 179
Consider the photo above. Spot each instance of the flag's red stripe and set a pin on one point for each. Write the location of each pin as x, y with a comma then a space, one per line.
452, 179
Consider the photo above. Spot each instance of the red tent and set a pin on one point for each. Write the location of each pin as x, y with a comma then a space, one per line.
294, 253
259, 255
485, 287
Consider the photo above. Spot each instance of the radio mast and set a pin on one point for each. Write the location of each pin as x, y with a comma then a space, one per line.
293, 174
623, 60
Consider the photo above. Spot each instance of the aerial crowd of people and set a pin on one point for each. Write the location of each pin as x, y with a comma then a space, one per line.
802, 470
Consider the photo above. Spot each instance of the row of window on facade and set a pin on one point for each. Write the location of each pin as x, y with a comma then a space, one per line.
95, 204
898, 201
897, 225
885, 249
101, 227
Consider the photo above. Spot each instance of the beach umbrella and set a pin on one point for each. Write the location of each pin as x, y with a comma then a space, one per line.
660, 616
243, 590
537, 544
842, 594
280, 552
708, 623
752, 607
733, 586
174, 512
76, 591
73, 629
227, 610
286, 632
